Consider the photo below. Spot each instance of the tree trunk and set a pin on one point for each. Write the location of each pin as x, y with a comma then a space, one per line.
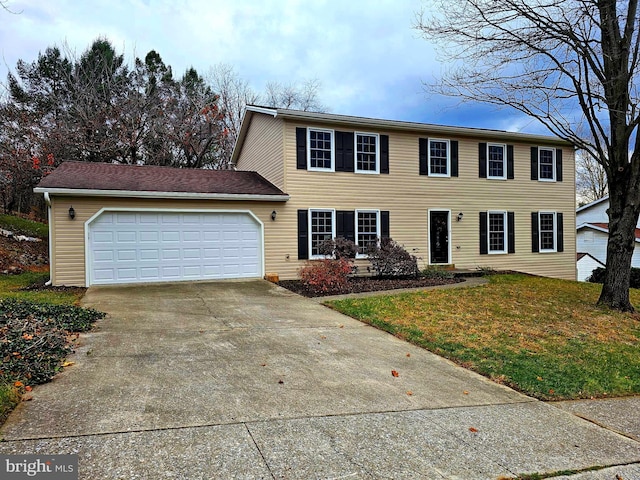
623, 217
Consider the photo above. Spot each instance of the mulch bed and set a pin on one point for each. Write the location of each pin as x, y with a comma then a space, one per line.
368, 284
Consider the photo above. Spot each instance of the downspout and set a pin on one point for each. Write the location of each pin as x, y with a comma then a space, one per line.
48, 202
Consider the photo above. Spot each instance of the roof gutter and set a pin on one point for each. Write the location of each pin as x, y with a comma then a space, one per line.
85, 192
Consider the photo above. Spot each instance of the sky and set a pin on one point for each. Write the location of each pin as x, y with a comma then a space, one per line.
367, 56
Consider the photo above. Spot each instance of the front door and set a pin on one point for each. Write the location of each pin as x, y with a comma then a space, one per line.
439, 237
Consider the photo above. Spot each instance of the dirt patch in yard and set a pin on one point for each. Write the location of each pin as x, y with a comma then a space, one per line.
368, 284
19, 256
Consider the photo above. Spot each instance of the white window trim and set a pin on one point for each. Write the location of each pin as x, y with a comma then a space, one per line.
355, 153
333, 229
378, 234
555, 233
553, 166
448, 142
506, 232
333, 150
504, 161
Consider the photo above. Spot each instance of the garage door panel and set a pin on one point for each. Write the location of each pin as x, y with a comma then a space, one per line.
130, 247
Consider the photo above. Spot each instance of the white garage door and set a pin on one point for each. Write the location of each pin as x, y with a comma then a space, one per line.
137, 247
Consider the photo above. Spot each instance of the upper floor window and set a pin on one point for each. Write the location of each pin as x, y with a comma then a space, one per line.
367, 230
439, 158
547, 163
367, 153
496, 161
321, 227
320, 149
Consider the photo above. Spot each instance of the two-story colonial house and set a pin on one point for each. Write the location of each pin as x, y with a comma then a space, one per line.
452, 196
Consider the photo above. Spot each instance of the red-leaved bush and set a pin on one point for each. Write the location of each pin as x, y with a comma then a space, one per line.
326, 274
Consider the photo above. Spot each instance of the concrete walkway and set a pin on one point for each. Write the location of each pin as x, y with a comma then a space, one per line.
247, 380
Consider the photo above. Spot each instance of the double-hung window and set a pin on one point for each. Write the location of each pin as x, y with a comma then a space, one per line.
322, 226
367, 147
320, 149
367, 230
547, 231
547, 164
497, 232
496, 161
439, 158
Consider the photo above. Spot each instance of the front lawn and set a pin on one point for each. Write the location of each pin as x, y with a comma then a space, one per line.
23, 226
541, 336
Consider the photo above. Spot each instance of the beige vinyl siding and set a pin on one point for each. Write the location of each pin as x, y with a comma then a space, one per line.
409, 196
68, 240
262, 150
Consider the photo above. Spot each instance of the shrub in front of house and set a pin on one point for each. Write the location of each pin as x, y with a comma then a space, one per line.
390, 259
325, 275
597, 276
338, 248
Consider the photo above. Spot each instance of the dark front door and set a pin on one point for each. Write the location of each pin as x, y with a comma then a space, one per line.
439, 236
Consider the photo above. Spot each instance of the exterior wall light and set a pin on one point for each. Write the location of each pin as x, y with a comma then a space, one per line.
273, 215
460, 215
72, 213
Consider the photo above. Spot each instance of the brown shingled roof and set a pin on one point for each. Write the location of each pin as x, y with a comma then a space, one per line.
108, 176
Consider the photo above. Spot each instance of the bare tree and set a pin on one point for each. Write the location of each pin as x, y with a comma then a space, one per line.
298, 97
591, 179
574, 66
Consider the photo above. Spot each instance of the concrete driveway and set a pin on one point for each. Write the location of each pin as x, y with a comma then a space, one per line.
247, 380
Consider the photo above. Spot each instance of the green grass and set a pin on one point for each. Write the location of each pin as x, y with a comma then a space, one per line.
541, 336
23, 226
11, 285
9, 399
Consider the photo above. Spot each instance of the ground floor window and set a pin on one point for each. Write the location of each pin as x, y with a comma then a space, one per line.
367, 230
321, 228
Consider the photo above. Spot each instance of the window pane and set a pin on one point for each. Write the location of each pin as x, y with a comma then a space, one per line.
547, 237
496, 232
546, 164
320, 149
496, 161
321, 229
366, 152
438, 157
367, 231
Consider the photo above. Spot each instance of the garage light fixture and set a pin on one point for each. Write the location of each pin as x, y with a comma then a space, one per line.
460, 215
72, 213
273, 215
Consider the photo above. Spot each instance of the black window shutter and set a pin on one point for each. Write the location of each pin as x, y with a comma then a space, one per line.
558, 164
424, 145
535, 244
454, 158
484, 247
559, 233
510, 166
384, 224
344, 151
482, 160
346, 224
303, 235
511, 232
384, 153
534, 163
301, 148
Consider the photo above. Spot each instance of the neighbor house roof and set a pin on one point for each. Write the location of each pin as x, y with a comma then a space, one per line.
376, 123
581, 255
604, 227
86, 178
593, 204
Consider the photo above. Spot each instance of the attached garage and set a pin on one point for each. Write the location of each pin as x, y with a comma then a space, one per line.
119, 224
169, 246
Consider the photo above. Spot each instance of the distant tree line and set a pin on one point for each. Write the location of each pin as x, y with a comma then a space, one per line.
96, 107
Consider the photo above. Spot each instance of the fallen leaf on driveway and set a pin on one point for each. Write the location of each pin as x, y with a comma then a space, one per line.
408, 354
68, 363
465, 392
341, 326
395, 373
281, 381
473, 430
323, 337
28, 388
409, 392
27, 398
263, 364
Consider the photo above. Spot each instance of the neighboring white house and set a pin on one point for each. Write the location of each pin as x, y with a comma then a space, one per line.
592, 233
